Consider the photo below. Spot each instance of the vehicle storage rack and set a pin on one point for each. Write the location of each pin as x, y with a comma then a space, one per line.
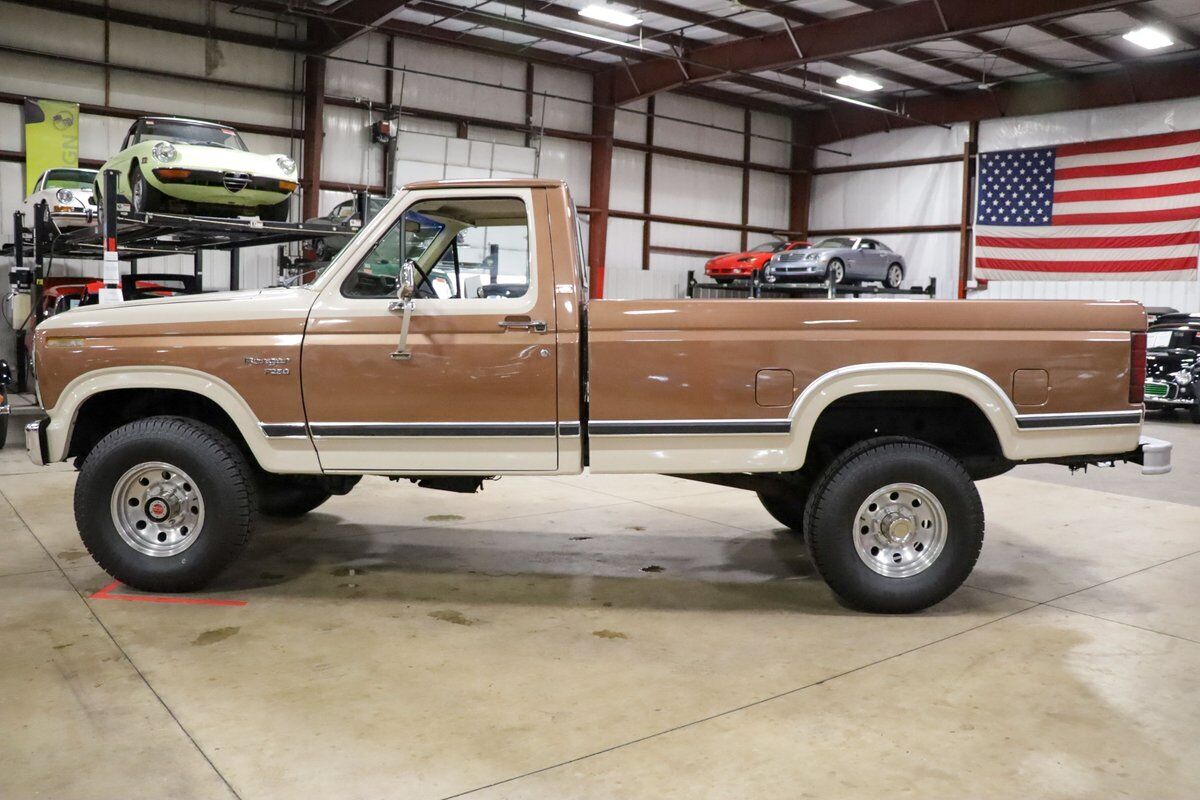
755, 288
149, 235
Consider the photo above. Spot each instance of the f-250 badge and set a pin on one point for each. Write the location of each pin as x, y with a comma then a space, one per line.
273, 364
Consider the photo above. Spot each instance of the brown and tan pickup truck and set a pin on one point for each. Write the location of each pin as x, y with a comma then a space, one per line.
452, 341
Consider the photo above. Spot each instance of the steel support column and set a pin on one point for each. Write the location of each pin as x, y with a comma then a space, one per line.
800, 180
970, 148
603, 125
314, 134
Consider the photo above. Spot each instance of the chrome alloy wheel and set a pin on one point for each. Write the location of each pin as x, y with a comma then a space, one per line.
894, 276
157, 509
900, 530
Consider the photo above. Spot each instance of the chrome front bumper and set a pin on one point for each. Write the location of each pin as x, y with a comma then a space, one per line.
1156, 456
35, 441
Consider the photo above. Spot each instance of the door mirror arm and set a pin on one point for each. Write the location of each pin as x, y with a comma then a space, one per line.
404, 304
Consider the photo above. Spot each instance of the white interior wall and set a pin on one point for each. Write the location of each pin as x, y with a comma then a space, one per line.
101, 136
932, 194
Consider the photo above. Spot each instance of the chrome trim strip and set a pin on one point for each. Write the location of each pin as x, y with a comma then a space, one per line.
569, 428
278, 430
327, 430
35, 441
1078, 420
660, 427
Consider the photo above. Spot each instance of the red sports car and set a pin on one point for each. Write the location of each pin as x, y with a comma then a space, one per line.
724, 269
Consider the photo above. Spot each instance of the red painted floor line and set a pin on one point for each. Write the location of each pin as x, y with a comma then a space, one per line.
106, 594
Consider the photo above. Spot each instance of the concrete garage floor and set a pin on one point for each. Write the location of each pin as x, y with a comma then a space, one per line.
610, 637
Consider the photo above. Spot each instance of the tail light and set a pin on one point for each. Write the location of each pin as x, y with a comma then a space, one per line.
1137, 367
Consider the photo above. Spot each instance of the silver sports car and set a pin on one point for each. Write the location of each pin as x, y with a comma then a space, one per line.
846, 259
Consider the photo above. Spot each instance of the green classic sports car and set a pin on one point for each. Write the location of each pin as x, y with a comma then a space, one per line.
197, 167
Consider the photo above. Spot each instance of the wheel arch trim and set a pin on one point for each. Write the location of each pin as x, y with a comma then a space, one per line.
290, 454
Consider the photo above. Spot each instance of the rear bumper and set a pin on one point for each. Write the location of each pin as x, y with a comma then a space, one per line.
35, 441
1154, 455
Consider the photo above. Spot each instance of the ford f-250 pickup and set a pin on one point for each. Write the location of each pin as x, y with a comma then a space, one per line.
452, 341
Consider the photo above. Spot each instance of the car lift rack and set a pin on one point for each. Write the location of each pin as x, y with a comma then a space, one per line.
149, 235
755, 288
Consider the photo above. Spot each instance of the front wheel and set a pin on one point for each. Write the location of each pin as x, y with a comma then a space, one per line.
145, 197
894, 525
836, 271
895, 274
164, 504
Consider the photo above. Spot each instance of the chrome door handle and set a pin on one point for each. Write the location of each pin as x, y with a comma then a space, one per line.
535, 325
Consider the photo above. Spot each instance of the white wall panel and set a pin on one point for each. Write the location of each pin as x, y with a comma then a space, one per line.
51, 32
222, 15
695, 190
44, 78
628, 178
12, 132
192, 99
346, 156
192, 55
570, 161
641, 284
1084, 126
898, 145
692, 237
629, 122
343, 79
695, 138
624, 250
768, 151
563, 114
925, 195
768, 199
425, 91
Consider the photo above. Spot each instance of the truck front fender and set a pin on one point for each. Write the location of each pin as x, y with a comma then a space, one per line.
284, 454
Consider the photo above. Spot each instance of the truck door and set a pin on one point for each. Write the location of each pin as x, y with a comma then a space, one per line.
473, 389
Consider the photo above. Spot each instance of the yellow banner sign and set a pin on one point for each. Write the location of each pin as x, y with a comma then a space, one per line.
51, 138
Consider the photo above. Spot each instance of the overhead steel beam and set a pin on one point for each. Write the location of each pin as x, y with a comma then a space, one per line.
342, 23
1082, 41
886, 29
1133, 82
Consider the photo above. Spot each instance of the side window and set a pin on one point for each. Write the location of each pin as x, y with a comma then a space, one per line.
463, 248
866, 244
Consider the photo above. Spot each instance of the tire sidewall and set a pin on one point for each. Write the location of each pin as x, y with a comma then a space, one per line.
219, 538
834, 266
831, 529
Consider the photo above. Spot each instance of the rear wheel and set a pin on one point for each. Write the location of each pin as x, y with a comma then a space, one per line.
786, 505
164, 504
895, 274
894, 525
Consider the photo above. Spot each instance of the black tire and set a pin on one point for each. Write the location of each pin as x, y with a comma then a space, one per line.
145, 198
848, 483
223, 481
787, 506
4, 429
1194, 410
887, 277
275, 213
290, 495
832, 270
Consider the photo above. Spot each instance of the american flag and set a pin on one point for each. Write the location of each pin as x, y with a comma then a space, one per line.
1121, 209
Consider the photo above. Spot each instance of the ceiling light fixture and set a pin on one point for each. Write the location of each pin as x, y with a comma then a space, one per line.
1149, 38
860, 83
606, 13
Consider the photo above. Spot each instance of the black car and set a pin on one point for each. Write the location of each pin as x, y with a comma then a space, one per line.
1173, 364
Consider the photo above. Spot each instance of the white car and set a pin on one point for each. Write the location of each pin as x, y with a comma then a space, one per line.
68, 193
